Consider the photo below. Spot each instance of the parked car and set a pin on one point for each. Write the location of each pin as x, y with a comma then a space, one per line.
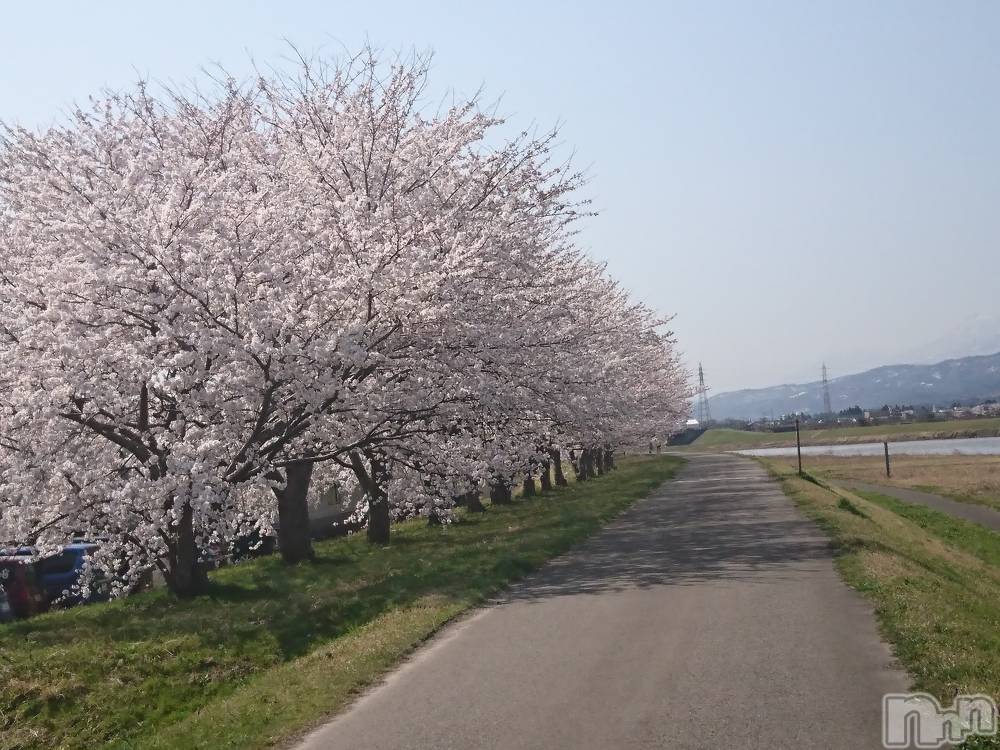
19, 580
59, 574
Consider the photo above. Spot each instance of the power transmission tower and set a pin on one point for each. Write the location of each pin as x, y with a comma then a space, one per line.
827, 408
704, 413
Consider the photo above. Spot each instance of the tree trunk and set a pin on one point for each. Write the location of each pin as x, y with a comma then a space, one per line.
187, 576
528, 488
500, 492
557, 468
598, 455
373, 479
294, 537
379, 519
609, 459
473, 502
545, 478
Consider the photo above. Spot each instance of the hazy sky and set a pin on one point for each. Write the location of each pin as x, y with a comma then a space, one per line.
798, 182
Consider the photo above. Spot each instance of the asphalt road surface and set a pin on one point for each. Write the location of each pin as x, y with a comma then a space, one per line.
709, 616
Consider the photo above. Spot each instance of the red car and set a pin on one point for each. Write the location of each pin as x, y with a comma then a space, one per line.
19, 580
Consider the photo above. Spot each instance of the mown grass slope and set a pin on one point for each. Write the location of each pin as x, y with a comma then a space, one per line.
274, 649
934, 582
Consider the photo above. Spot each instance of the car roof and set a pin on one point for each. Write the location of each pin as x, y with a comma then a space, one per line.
19, 554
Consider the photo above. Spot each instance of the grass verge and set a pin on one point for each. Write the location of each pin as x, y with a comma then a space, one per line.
934, 582
273, 650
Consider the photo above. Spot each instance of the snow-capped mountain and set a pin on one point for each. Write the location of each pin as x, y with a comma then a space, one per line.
937, 384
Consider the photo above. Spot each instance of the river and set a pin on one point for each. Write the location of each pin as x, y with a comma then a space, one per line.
984, 446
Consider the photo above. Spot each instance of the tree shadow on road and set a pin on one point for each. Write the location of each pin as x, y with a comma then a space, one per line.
688, 535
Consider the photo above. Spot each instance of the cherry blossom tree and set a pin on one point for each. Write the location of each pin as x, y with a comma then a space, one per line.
212, 304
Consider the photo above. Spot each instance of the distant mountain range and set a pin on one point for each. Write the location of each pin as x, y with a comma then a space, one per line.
938, 384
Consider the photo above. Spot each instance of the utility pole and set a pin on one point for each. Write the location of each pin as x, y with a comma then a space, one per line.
798, 444
704, 413
827, 408
888, 469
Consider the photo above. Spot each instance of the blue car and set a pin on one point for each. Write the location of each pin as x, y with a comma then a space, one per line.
59, 574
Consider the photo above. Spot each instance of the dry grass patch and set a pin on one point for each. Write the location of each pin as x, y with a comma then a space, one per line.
970, 479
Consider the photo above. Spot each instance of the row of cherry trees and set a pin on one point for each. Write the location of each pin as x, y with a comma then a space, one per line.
215, 305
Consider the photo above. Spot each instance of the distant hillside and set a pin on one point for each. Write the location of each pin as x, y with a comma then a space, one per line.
940, 384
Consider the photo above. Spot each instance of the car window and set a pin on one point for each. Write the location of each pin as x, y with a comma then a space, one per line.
57, 564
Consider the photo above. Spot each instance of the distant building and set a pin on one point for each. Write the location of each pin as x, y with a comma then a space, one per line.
989, 409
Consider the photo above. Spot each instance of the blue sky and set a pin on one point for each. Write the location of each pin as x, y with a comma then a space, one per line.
798, 182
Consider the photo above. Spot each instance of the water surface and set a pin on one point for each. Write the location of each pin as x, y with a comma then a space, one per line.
983, 446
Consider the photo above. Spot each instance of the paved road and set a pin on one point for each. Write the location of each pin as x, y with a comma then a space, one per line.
708, 616
976, 513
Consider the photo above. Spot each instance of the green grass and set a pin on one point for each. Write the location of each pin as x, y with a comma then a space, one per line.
272, 650
725, 439
987, 498
934, 582
971, 537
